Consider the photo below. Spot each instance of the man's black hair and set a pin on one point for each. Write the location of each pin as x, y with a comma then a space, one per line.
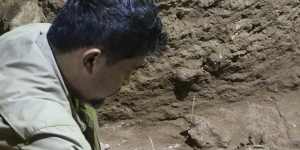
121, 28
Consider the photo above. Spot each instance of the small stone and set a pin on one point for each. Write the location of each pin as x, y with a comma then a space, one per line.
185, 75
175, 105
206, 3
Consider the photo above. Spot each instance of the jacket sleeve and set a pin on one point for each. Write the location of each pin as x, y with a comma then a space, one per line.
59, 137
56, 142
51, 128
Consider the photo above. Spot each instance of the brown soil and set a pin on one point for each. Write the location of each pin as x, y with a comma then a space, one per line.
228, 79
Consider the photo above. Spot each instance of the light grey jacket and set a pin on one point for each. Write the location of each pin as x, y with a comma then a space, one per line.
35, 113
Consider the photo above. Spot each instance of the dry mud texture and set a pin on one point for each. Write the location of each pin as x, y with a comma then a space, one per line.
227, 80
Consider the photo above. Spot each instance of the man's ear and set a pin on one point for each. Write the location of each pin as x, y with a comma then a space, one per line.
90, 58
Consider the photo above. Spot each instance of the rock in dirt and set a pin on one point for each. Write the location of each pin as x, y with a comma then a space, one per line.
244, 125
22, 17
18, 12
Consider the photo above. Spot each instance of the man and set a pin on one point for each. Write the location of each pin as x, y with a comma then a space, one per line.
52, 75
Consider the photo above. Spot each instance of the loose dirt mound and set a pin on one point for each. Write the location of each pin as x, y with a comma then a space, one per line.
228, 79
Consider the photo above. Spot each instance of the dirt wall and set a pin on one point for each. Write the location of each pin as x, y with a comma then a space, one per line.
230, 73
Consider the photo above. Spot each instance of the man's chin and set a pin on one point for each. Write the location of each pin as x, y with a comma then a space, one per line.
114, 92
96, 102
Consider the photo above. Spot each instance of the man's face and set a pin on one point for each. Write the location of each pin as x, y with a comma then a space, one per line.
94, 79
108, 78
